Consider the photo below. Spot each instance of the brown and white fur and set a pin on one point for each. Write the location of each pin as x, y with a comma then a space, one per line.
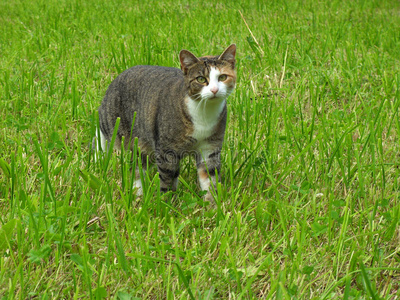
179, 112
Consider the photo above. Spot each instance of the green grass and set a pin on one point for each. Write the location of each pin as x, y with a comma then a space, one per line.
308, 205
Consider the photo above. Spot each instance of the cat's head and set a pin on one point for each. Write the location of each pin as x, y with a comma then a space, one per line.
209, 77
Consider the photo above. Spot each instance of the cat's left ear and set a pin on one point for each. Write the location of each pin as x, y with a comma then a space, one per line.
229, 55
187, 59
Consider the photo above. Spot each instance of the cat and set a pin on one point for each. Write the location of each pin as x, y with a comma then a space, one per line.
178, 112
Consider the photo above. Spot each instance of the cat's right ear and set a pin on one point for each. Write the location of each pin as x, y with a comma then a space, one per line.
187, 59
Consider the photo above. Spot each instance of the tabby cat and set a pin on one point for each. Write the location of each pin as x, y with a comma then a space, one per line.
178, 112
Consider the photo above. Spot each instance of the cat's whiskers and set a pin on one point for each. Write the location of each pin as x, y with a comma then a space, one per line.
204, 109
198, 103
203, 102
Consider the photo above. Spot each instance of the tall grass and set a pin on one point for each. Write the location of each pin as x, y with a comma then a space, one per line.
308, 205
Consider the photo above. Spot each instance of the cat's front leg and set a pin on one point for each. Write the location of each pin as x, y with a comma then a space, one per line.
207, 166
168, 169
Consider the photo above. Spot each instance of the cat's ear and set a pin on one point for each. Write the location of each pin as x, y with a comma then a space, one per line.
187, 59
229, 55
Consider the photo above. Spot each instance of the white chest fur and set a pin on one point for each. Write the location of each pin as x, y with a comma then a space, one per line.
205, 115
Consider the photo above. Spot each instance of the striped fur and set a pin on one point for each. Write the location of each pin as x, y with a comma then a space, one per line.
179, 112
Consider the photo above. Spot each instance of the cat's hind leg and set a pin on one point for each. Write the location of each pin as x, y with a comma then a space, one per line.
140, 173
168, 170
137, 184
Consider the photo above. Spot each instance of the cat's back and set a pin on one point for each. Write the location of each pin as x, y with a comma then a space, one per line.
153, 71
150, 91
142, 77
144, 84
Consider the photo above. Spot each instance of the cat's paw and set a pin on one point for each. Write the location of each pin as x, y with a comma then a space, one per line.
209, 198
137, 185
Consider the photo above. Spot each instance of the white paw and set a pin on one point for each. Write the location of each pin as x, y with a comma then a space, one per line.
209, 198
138, 186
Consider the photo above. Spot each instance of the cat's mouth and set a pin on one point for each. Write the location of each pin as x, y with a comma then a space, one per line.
209, 98
215, 96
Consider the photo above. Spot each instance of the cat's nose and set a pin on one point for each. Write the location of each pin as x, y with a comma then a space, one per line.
214, 89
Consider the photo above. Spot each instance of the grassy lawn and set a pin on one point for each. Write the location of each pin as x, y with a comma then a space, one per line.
308, 206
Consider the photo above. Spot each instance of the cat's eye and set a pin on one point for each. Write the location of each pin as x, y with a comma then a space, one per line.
201, 79
222, 77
